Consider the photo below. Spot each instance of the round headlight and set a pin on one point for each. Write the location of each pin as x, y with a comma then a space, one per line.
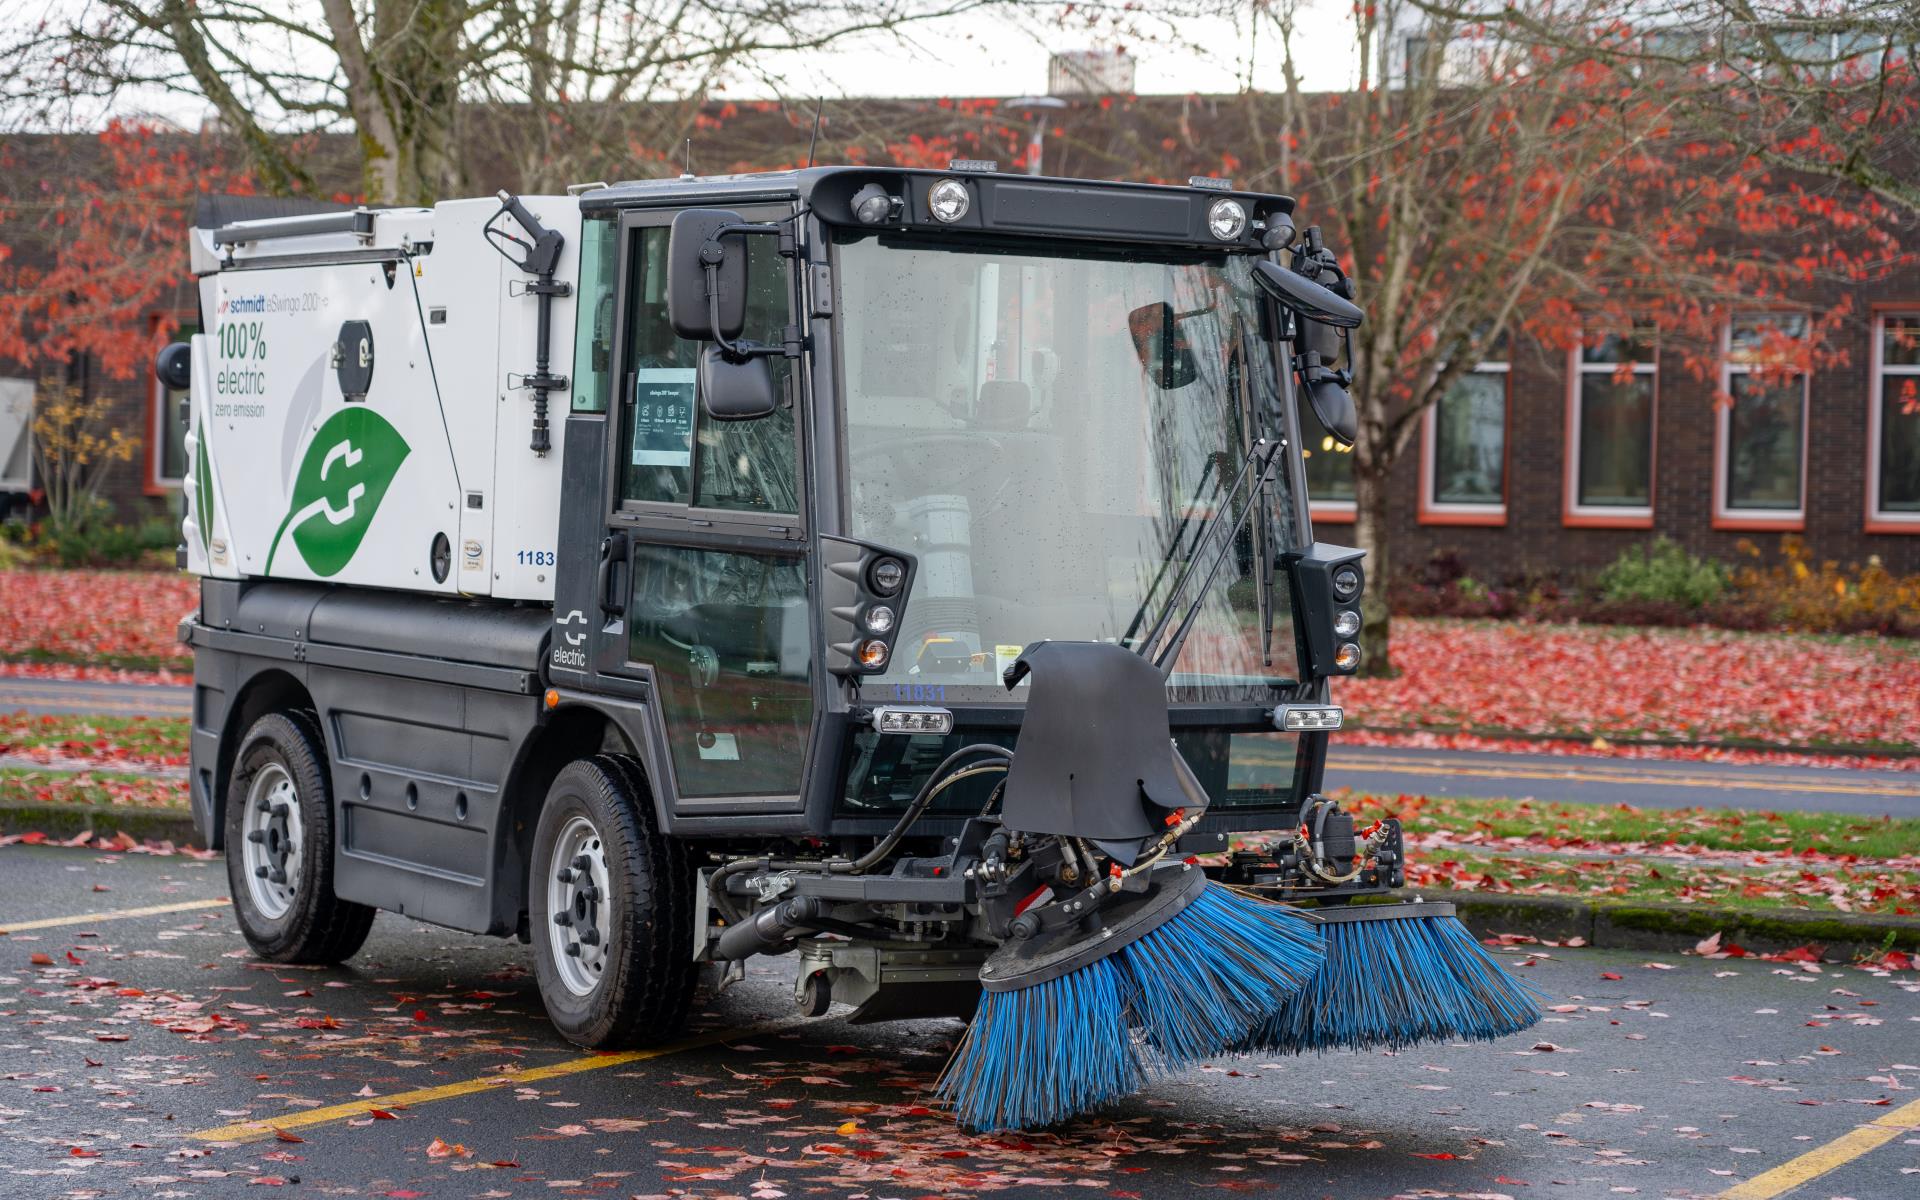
1227, 219
887, 575
1346, 623
873, 654
1346, 581
948, 201
1346, 658
880, 619
872, 205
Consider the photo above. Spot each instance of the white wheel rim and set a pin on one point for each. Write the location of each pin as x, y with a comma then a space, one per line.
272, 841
579, 904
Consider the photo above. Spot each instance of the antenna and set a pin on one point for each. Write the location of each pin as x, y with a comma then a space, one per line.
818, 106
686, 164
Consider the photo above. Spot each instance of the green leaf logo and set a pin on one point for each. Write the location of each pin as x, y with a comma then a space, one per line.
203, 489
349, 464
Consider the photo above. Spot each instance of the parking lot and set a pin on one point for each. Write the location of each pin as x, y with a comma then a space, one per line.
144, 1052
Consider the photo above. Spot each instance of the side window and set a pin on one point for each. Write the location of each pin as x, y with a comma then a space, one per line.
593, 334
730, 644
671, 453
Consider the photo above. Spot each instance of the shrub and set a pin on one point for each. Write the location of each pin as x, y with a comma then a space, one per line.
1662, 574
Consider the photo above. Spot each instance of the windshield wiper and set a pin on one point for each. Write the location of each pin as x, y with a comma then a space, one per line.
1217, 464
1266, 454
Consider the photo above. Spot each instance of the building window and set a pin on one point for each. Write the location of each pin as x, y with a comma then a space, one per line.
1463, 451
167, 443
1893, 434
1760, 425
1329, 469
1610, 416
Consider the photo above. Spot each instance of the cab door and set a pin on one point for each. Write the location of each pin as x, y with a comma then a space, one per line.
705, 547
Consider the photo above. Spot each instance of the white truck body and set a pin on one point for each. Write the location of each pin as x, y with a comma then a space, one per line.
292, 477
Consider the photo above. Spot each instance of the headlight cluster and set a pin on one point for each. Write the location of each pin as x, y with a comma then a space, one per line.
1328, 581
866, 589
1347, 582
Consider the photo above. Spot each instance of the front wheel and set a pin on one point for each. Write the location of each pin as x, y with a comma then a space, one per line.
611, 905
280, 846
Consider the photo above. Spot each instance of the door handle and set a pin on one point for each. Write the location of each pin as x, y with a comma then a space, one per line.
613, 549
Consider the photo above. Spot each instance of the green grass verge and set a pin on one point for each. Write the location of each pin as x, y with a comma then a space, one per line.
91, 789
1566, 825
138, 739
119, 662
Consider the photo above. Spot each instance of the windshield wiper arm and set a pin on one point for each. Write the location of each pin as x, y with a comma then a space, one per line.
1265, 453
1216, 462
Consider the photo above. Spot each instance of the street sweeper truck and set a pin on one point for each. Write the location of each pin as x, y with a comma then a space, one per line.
907, 571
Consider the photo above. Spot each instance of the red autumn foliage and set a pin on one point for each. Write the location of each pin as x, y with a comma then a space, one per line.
1695, 685
87, 259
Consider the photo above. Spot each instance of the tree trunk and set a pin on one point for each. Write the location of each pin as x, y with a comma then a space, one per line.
1370, 533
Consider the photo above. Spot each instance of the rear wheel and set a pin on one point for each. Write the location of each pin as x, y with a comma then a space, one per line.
280, 846
611, 909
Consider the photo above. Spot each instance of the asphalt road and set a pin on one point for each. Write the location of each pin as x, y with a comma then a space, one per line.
149, 1033
1651, 783
1643, 782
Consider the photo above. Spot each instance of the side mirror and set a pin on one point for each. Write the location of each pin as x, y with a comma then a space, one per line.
736, 389
1156, 340
1310, 300
706, 278
1326, 388
173, 366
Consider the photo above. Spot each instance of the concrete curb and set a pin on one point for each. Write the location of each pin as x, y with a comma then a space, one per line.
63, 821
1674, 927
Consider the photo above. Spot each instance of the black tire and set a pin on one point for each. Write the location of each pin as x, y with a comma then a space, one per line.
642, 982
316, 926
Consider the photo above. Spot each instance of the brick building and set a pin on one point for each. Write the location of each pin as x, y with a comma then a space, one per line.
1541, 463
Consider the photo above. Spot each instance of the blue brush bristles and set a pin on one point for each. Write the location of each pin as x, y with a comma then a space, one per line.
1038, 1055
1200, 982
1188, 990
1391, 984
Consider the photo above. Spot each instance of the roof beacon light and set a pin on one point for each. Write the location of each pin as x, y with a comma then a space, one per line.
948, 201
1227, 219
912, 718
974, 166
1210, 183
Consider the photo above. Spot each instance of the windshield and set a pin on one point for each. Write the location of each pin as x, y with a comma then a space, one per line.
1047, 432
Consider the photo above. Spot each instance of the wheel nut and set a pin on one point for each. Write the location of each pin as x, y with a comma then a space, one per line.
564, 875
259, 872
590, 937
257, 836
563, 919
573, 949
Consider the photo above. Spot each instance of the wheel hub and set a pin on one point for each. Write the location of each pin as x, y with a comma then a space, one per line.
271, 853
579, 899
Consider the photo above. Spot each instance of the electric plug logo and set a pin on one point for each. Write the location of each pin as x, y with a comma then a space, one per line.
343, 477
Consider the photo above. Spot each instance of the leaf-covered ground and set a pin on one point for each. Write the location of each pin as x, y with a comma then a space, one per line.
1618, 683
1470, 679
95, 619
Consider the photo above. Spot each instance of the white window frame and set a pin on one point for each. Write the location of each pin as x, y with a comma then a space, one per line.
1433, 512
1725, 515
1878, 521
1575, 512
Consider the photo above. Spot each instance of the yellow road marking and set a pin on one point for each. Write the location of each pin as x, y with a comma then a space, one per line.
118, 914
1836, 1153
243, 1131
1620, 775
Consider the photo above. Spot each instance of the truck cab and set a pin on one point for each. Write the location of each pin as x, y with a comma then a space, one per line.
831, 452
